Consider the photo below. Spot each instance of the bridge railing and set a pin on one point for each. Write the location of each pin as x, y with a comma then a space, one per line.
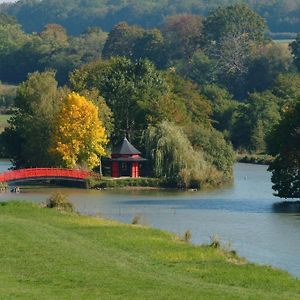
43, 172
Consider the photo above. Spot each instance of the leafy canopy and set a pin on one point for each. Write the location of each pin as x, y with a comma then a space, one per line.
284, 143
28, 136
79, 137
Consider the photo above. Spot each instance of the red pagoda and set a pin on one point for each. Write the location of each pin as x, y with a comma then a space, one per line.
126, 160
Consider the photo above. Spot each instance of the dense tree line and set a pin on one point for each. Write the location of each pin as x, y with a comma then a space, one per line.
197, 85
52, 48
281, 16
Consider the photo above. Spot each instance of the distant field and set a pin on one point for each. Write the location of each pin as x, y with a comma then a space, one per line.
5, 88
3, 121
284, 43
288, 41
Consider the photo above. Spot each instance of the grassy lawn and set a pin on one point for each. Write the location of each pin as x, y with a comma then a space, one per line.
47, 254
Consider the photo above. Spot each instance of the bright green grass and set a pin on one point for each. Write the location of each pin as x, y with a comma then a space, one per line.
46, 254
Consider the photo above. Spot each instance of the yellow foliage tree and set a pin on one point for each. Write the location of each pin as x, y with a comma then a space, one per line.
79, 137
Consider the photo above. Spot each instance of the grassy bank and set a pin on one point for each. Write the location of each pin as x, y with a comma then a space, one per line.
46, 254
109, 182
259, 159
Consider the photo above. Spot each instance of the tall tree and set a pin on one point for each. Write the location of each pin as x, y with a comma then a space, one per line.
284, 143
121, 40
28, 136
182, 35
230, 35
235, 20
174, 158
254, 121
151, 46
79, 137
295, 47
223, 107
266, 64
128, 88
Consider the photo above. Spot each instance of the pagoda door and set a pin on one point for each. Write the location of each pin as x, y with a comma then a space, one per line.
125, 169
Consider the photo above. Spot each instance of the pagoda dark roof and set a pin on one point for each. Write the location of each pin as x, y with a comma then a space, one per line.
128, 159
125, 148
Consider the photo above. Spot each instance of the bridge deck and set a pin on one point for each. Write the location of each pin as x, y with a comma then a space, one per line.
43, 173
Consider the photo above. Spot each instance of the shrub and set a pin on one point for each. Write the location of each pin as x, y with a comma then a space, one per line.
175, 160
136, 220
60, 201
215, 242
187, 236
124, 182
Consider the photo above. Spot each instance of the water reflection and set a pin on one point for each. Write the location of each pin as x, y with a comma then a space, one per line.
242, 206
287, 207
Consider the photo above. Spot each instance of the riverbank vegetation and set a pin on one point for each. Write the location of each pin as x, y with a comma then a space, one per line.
46, 253
260, 159
192, 87
109, 182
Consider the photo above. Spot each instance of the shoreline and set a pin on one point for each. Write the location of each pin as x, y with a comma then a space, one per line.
78, 252
255, 159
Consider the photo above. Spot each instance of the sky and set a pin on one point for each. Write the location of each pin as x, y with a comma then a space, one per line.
3, 1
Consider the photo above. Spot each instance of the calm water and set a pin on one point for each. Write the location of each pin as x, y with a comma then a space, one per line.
259, 226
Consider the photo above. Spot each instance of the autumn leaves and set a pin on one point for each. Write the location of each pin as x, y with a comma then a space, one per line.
79, 137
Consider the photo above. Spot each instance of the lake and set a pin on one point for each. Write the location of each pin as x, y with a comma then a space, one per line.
258, 225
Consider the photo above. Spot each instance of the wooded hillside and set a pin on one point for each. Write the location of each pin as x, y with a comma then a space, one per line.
77, 15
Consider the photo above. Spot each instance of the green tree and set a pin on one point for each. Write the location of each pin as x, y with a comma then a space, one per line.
7, 20
174, 158
231, 34
295, 47
284, 143
282, 16
151, 46
235, 20
266, 64
287, 87
128, 87
27, 138
121, 40
11, 38
254, 121
197, 108
182, 35
214, 147
200, 68
223, 107
88, 45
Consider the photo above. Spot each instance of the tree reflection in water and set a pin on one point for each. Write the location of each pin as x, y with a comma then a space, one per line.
288, 207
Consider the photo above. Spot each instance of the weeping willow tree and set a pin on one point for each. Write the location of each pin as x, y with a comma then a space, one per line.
174, 159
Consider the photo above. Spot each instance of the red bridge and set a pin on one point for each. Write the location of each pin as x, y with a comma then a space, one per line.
44, 174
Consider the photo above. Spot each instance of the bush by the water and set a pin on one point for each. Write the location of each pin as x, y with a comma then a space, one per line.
260, 159
187, 236
176, 161
60, 201
123, 182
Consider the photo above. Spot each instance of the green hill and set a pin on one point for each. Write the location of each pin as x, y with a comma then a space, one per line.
46, 254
